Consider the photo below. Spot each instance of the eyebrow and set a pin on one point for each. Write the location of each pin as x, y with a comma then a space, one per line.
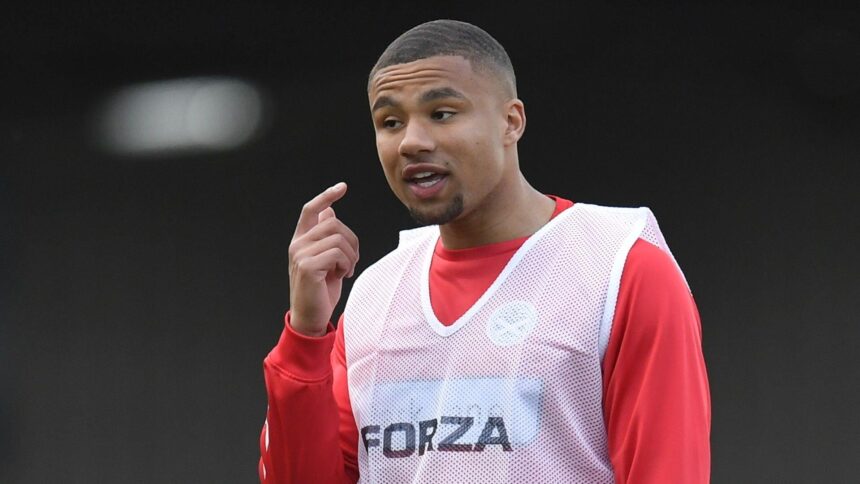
431, 95
384, 102
441, 93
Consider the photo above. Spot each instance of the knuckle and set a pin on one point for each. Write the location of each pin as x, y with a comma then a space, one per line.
302, 265
295, 249
351, 235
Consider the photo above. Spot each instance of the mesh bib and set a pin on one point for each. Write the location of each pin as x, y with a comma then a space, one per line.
512, 391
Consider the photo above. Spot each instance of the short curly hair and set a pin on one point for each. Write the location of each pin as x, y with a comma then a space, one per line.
450, 37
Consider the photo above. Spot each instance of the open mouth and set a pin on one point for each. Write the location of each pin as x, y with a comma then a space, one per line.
426, 179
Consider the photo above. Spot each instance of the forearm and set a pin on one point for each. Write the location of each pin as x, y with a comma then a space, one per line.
300, 441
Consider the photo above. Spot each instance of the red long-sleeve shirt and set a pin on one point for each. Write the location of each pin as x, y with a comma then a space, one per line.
656, 400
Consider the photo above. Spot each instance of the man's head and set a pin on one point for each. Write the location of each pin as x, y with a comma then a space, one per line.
454, 38
447, 120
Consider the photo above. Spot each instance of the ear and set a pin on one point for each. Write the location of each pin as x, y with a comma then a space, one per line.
515, 121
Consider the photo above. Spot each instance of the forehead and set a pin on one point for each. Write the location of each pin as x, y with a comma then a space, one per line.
454, 71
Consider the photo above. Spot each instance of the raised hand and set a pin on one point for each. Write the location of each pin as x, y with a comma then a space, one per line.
323, 251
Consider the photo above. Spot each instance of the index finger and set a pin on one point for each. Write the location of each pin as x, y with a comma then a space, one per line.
311, 210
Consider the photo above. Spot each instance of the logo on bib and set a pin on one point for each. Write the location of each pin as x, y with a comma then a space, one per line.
512, 323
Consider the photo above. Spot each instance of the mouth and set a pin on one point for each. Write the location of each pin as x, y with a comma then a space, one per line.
425, 180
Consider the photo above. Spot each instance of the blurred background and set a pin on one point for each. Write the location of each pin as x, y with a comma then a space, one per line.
154, 158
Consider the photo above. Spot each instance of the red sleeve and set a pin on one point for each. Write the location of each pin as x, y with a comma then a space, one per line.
309, 434
656, 398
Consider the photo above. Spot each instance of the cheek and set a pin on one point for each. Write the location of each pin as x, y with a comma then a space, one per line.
382, 150
387, 159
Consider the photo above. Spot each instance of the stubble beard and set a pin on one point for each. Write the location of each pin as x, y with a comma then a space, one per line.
451, 212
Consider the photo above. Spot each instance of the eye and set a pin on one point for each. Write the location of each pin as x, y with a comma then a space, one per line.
391, 123
442, 115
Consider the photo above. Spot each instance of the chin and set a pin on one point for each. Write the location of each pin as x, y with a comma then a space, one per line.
441, 216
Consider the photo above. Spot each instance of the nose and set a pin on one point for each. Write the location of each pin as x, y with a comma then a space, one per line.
416, 138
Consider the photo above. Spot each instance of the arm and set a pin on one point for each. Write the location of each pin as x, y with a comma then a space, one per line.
305, 380
656, 398
310, 433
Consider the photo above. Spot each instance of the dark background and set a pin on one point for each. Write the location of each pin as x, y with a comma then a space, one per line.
139, 295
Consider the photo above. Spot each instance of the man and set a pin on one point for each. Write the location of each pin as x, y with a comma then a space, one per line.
516, 337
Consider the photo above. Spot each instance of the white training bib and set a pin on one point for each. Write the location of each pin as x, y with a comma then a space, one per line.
512, 391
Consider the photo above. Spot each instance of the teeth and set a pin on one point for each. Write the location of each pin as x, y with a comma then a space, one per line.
424, 174
429, 183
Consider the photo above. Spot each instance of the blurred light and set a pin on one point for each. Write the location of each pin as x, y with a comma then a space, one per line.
199, 114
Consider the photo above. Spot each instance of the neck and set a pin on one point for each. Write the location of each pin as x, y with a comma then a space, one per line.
503, 215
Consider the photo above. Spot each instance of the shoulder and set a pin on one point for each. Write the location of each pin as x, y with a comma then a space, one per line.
598, 219
654, 292
648, 264
645, 255
609, 231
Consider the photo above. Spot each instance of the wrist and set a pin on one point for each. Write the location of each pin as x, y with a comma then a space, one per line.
313, 331
300, 357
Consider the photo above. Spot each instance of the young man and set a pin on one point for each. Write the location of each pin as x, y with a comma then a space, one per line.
516, 337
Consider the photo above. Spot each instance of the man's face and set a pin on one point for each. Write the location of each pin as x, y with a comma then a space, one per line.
441, 135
